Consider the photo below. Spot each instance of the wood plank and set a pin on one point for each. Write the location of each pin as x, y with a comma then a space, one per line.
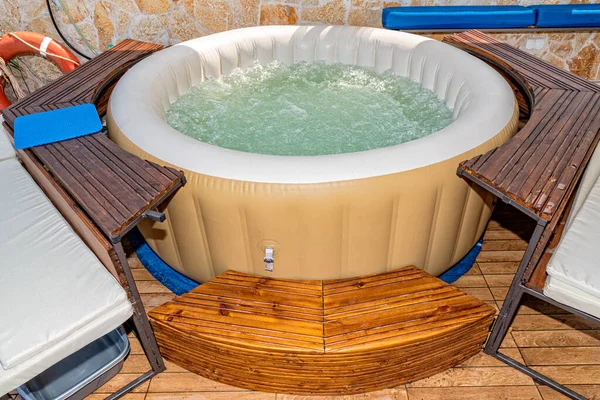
483, 360
500, 256
570, 338
591, 392
128, 396
210, 395
119, 381
470, 281
403, 316
550, 322
501, 245
499, 280
561, 355
534, 306
499, 293
483, 294
182, 382
492, 268
481, 376
572, 374
475, 393
240, 305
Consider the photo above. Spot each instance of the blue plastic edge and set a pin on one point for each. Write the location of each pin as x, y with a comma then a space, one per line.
161, 271
463, 266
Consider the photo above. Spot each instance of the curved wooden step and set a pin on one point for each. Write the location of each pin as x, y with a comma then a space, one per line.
321, 337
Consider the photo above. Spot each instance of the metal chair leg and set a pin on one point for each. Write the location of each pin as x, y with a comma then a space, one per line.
506, 316
513, 297
142, 327
539, 377
132, 385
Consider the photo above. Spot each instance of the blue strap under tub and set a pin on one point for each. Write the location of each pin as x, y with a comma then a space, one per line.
567, 15
54, 126
458, 17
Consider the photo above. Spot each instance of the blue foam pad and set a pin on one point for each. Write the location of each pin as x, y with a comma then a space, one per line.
463, 266
54, 126
567, 15
457, 17
161, 271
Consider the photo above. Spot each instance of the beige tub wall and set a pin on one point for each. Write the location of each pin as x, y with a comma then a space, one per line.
428, 217
170, 21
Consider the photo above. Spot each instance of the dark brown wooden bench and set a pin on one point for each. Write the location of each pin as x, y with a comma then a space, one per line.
101, 189
538, 170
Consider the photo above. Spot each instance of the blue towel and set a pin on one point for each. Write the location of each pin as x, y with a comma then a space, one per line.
54, 126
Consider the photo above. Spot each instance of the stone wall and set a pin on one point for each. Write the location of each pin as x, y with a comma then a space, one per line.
105, 22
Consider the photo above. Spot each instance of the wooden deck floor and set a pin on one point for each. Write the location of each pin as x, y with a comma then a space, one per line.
541, 335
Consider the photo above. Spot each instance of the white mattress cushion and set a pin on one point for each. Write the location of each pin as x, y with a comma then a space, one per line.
16, 376
565, 293
590, 176
574, 271
57, 296
6, 149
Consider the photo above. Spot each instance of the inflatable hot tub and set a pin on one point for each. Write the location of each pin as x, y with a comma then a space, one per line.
326, 217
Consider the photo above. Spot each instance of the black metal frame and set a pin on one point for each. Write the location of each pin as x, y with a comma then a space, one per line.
142, 329
141, 324
515, 294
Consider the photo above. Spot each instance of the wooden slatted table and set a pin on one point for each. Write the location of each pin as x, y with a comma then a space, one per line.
321, 337
114, 187
538, 170
101, 189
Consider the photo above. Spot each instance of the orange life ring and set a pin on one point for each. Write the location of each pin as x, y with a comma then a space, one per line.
16, 43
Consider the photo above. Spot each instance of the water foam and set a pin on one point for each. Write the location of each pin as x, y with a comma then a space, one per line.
307, 109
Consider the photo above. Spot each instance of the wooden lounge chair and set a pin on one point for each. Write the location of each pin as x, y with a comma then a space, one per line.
102, 192
58, 297
538, 172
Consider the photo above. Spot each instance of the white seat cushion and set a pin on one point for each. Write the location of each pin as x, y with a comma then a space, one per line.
589, 178
6, 149
565, 293
57, 296
574, 271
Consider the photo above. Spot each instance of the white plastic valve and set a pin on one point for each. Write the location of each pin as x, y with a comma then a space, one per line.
269, 260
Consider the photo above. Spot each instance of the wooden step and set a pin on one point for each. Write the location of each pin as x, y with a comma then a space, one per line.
341, 336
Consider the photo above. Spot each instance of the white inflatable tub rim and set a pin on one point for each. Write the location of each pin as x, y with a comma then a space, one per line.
482, 101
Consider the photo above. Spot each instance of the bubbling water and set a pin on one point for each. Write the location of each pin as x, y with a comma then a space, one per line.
307, 109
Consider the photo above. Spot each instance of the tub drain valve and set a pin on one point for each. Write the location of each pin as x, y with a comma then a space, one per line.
269, 260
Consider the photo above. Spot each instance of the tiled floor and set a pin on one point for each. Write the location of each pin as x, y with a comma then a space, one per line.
560, 345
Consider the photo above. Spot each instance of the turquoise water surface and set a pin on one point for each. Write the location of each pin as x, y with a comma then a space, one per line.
307, 109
